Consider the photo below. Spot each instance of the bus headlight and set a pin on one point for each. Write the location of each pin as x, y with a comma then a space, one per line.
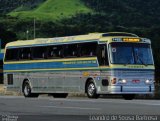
149, 81
122, 81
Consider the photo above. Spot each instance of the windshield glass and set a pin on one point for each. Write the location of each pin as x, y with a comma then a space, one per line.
131, 53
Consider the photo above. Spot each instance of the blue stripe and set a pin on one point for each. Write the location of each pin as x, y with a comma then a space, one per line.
48, 65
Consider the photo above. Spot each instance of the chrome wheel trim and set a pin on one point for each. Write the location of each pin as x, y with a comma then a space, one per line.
91, 89
26, 90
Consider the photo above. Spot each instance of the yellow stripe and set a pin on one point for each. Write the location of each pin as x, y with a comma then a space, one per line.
103, 67
51, 60
57, 69
132, 66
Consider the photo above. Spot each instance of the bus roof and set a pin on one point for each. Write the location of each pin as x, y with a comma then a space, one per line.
101, 37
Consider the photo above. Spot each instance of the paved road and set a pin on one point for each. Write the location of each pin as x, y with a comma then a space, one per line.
48, 108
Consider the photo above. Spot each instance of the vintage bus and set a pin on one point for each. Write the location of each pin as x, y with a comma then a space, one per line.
95, 64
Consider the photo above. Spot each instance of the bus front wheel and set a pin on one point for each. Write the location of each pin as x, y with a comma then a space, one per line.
27, 90
91, 90
128, 96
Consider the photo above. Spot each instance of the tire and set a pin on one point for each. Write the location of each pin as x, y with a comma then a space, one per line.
128, 96
27, 90
60, 95
91, 90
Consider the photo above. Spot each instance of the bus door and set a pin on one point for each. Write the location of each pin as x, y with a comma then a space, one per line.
103, 65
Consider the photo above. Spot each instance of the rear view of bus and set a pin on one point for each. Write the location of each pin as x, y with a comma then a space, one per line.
131, 63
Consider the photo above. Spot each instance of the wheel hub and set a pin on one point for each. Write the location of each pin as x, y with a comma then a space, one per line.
91, 89
26, 90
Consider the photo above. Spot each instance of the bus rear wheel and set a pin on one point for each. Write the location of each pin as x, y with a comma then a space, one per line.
27, 90
60, 95
128, 96
91, 90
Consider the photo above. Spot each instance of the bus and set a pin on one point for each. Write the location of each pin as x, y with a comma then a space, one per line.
94, 64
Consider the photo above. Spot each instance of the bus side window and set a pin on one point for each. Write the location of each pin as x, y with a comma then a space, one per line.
88, 49
71, 50
55, 51
12, 54
39, 52
25, 53
102, 55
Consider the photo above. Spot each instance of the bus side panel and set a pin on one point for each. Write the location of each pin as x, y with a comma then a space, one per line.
55, 82
103, 81
72, 81
37, 81
13, 81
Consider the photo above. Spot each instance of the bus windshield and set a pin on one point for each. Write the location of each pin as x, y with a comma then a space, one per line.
131, 53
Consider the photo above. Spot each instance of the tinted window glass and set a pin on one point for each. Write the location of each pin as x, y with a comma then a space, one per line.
39, 52
71, 50
102, 55
25, 54
129, 53
55, 51
88, 49
11, 54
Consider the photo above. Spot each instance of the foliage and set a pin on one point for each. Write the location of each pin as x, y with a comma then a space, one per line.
53, 10
18, 5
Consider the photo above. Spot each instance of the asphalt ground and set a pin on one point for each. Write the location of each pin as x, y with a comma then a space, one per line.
18, 108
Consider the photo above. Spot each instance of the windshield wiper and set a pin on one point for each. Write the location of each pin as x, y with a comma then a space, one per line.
140, 59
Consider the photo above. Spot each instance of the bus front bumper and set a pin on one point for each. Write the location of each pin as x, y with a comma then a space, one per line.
129, 90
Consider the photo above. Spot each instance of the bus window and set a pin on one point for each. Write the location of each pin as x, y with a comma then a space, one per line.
55, 51
71, 50
11, 54
131, 53
25, 54
88, 49
102, 55
39, 52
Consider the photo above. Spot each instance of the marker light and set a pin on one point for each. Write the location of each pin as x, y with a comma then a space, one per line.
117, 39
113, 81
